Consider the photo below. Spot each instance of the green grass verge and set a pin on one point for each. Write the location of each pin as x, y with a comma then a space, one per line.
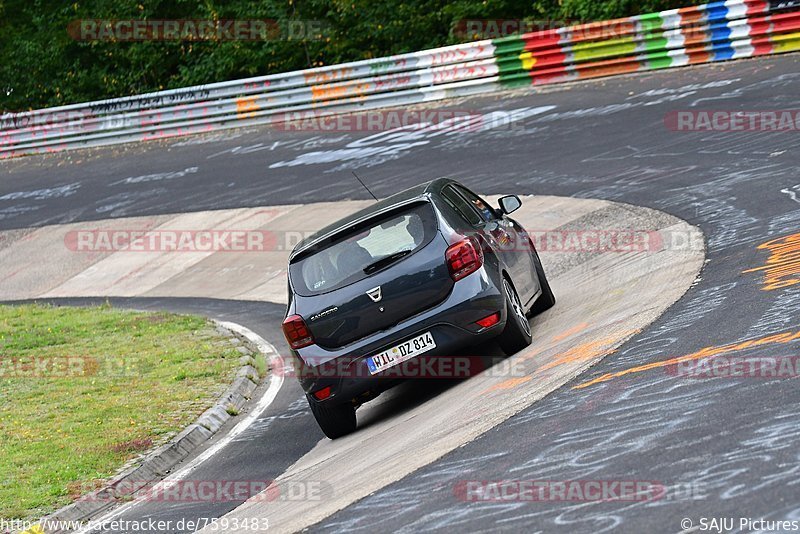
85, 390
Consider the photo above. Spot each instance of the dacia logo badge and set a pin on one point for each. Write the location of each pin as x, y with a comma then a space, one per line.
375, 294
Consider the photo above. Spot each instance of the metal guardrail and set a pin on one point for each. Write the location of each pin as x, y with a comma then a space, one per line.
716, 31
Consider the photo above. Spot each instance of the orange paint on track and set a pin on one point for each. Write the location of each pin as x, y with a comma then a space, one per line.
706, 352
783, 265
588, 351
511, 383
570, 332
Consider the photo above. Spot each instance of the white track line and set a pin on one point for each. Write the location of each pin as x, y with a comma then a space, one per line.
275, 384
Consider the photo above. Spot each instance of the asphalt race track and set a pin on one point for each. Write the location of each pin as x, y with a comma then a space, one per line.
605, 297
722, 447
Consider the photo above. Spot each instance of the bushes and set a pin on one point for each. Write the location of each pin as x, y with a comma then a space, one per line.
43, 66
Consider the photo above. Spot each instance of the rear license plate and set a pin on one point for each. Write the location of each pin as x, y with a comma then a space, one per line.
400, 353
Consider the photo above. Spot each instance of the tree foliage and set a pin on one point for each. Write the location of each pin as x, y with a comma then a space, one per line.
42, 65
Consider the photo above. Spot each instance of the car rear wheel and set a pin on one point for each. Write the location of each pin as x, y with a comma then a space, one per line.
334, 420
517, 333
546, 300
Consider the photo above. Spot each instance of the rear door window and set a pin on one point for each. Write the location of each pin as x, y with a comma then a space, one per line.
486, 212
361, 251
462, 206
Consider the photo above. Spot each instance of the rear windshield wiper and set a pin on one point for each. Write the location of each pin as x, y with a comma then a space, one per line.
383, 262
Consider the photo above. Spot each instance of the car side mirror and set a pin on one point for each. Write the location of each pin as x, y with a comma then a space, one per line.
510, 204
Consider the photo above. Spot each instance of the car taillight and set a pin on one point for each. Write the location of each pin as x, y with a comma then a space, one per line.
464, 258
492, 320
323, 393
296, 332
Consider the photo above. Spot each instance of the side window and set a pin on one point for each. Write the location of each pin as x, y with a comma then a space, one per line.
458, 203
483, 207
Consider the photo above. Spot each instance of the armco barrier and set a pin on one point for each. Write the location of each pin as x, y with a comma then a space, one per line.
716, 31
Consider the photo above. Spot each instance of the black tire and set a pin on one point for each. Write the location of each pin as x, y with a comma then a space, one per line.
334, 420
517, 333
546, 300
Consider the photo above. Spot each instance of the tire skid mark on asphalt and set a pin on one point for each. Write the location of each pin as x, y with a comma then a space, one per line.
778, 316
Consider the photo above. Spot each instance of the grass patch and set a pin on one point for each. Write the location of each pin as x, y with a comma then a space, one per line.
84, 390
261, 364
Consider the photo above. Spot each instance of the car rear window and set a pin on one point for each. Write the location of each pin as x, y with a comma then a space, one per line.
342, 260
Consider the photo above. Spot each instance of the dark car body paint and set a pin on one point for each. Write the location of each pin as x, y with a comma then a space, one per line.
412, 304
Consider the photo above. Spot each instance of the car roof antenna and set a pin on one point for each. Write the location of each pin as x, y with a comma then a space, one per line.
365, 186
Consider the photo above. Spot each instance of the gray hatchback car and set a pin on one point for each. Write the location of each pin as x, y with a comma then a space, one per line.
398, 289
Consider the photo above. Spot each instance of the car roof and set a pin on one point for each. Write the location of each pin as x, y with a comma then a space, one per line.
418, 192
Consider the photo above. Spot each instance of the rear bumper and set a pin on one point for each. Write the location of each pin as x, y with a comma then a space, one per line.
452, 324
